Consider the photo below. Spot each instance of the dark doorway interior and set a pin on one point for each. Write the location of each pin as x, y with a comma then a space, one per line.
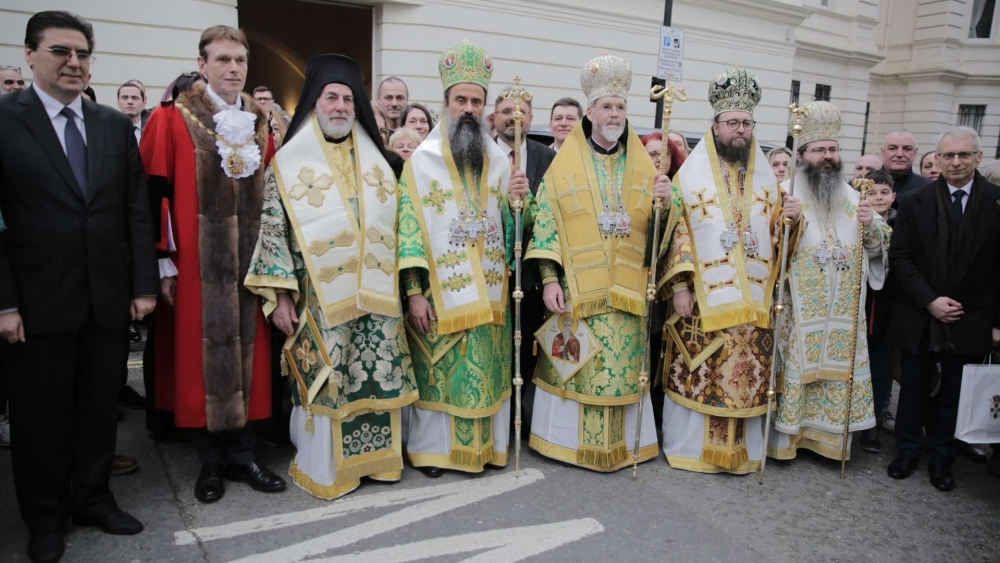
285, 34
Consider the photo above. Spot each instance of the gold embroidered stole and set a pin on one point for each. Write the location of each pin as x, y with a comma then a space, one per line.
468, 282
349, 252
602, 272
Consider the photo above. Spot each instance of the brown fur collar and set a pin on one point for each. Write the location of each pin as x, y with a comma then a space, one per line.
228, 225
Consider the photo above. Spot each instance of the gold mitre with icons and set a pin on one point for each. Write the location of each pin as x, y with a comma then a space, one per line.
821, 122
607, 75
466, 63
735, 90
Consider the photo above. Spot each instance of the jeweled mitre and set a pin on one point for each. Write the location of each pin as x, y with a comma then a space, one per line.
466, 63
607, 75
734, 90
821, 122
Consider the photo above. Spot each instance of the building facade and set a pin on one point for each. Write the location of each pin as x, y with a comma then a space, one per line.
886, 63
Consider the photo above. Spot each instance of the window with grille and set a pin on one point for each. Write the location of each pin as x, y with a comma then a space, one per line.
822, 93
971, 116
795, 92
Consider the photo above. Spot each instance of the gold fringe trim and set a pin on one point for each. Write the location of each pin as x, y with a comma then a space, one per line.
698, 466
725, 460
352, 472
472, 459
448, 325
379, 303
744, 315
627, 301
749, 412
338, 315
325, 492
590, 307
499, 317
600, 458
569, 455
366, 406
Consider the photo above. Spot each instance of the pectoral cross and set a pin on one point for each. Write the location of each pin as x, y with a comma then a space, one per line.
572, 191
702, 205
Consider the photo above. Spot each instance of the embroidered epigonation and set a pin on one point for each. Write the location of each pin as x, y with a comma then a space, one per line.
457, 281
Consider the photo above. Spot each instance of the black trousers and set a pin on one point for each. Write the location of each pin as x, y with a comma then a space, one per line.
234, 447
532, 317
63, 422
911, 415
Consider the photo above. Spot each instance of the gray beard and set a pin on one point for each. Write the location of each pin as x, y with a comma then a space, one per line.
334, 130
467, 142
733, 154
826, 187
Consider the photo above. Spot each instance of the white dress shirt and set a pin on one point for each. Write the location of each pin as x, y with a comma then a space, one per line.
507, 150
54, 106
968, 193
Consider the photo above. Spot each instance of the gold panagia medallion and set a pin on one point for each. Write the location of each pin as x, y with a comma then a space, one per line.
235, 164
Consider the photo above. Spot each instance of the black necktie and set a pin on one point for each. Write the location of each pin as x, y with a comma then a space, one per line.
76, 150
956, 206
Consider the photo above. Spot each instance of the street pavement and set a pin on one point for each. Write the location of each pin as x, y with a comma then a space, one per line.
551, 512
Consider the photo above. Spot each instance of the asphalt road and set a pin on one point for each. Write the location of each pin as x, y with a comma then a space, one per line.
552, 513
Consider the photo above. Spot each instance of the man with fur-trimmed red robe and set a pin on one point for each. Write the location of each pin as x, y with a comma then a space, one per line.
203, 155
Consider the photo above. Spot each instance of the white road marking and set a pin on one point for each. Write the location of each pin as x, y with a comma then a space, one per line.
353, 504
506, 545
452, 496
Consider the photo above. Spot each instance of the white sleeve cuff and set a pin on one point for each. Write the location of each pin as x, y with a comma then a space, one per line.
167, 268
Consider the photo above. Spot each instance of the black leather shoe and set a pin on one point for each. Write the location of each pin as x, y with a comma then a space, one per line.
432, 472
976, 453
130, 398
257, 476
117, 522
903, 466
941, 477
209, 487
46, 548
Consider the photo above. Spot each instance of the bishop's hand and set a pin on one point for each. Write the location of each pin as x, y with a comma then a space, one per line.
553, 297
284, 316
865, 215
684, 303
662, 187
421, 312
792, 207
518, 184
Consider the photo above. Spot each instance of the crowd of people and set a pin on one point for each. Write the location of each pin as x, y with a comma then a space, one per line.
344, 279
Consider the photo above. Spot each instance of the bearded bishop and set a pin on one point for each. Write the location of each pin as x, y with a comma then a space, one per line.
825, 384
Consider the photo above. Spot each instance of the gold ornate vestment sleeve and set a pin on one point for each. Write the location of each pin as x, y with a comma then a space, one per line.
411, 281
549, 271
878, 234
679, 265
778, 231
272, 269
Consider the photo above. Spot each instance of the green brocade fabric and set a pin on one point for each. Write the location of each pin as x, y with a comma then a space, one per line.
465, 374
612, 377
369, 356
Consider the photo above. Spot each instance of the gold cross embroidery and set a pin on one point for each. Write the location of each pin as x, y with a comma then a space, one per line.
641, 205
702, 205
572, 191
383, 187
377, 237
437, 197
319, 247
311, 186
373, 263
329, 273
766, 200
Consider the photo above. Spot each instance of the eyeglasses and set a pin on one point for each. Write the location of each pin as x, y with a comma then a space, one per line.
9, 67
734, 124
85, 57
262, 99
819, 151
951, 155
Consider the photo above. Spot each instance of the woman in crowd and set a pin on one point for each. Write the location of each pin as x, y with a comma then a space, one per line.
404, 141
182, 83
278, 126
381, 120
929, 166
677, 139
779, 158
654, 146
418, 118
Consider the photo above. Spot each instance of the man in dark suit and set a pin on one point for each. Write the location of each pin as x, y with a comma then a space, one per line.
77, 262
535, 161
899, 151
945, 260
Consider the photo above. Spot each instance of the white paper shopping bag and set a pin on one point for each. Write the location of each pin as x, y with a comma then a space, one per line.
979, 406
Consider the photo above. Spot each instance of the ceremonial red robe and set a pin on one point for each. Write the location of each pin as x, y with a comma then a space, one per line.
180, 377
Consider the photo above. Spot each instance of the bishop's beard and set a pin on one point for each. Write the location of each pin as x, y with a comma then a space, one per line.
466, 138
825, 185
732, 153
